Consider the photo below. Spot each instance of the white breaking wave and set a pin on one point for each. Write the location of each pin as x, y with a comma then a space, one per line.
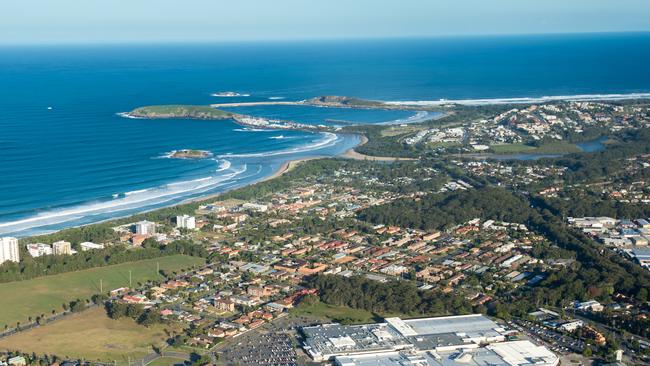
329, 139
577, 98
229, 94
276, 98
135, 192
132, 200
127, 115
280, 137
224, 165
198, 180
249, 129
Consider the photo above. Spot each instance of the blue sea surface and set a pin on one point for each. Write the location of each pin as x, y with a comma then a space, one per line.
67, 158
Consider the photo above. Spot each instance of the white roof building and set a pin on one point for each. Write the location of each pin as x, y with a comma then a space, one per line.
87, 245
441, 341
520, 353
39, 249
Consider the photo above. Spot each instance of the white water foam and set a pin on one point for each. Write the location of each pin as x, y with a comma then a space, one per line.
127, 115
131, 193
544, 99
249, 129
329, 139
229, 94
132, 200
223, 164
420, 116
276, 98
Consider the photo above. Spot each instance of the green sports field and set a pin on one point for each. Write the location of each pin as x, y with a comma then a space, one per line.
23, 299
93, 336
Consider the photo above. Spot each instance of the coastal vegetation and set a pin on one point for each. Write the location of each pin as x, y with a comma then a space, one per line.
30, 268
313, 307
442, 211
179, 111
393, 297
344, 101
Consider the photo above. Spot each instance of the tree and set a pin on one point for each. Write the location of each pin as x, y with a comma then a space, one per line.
77, 306
150, 317
99, 298
116, 309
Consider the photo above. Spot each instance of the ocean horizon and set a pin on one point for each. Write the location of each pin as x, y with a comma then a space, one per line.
69, 159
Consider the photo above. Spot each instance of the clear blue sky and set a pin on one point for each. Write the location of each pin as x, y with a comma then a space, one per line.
89, 21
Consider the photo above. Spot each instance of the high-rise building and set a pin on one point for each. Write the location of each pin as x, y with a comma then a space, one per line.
61, 248
9, 250
186, 222
145, 227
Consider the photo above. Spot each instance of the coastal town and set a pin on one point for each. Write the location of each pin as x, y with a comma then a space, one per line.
270, 258
529, 129
340, 183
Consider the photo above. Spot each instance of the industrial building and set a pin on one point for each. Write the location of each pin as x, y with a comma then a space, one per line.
449, 341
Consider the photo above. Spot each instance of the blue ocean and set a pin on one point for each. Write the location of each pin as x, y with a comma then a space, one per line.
67, 158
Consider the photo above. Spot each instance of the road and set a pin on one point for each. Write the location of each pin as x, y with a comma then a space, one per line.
251, 104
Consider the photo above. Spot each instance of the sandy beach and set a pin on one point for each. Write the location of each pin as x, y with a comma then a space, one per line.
289, 166
353, 154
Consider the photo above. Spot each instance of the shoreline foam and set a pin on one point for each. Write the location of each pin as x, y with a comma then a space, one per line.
524, 100
97, 211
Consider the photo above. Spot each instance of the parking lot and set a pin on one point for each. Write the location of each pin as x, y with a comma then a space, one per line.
556, 341
274, 349
274, 344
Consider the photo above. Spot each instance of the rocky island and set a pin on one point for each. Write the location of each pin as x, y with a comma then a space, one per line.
211, 113
177, 111
189, 154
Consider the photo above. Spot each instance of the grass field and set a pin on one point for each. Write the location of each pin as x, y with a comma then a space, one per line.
341, 314
512, 148
89, 335
22, 299
552, 147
